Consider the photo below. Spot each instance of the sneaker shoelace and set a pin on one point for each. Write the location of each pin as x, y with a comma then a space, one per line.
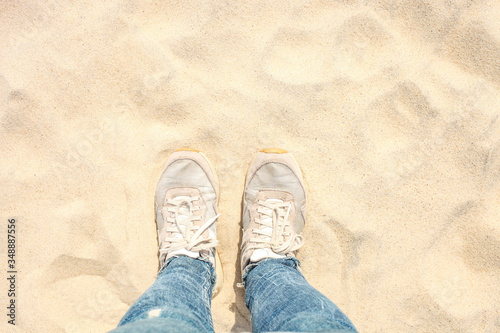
274, 235
185, 234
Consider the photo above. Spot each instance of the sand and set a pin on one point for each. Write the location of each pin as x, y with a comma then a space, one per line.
390, 107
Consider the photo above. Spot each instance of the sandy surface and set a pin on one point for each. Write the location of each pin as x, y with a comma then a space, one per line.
390, 107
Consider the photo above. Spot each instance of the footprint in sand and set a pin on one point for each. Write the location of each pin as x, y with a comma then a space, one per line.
362, 46
357, 50
461, 267
400, 130
474, 49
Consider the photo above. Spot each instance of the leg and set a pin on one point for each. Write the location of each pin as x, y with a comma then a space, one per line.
278, 296
186, 216
280, 299
178, 301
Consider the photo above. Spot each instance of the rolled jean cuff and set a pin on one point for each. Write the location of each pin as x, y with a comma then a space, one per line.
212, 268
289, 261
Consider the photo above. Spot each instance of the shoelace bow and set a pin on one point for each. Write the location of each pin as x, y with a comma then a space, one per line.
275, 213
183, 222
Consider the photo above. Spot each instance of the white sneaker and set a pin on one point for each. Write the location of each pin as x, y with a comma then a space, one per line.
186, 203
273, 208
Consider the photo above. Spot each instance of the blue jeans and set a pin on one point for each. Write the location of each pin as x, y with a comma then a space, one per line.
277, 295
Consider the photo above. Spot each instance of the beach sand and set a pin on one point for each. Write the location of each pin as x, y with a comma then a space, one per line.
390, 107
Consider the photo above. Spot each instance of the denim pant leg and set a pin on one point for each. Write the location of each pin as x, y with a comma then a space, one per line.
280, 299
178, 301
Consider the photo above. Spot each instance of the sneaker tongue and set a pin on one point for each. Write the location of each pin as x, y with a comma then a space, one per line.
183, 214
260, 254
269, 218
183, 219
